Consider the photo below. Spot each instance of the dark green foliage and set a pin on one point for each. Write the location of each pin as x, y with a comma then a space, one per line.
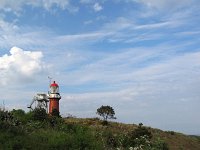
139, 136
107, 112
160, 145
7, 119
20, 115
55, 121
55, 113
6, 116
104, 122
37, 133
171, 132
111, 140
141, 131
39, 114
49, 139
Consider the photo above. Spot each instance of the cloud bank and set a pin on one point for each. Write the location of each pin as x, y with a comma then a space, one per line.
20, 65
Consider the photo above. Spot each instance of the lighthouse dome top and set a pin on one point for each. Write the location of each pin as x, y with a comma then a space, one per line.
54, 88
54, 84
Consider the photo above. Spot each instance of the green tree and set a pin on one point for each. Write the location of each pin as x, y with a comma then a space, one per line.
19, 114
107, 112
39, 114
7, 119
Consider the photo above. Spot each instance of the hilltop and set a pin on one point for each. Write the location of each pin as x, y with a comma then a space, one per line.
37, 131
174, 140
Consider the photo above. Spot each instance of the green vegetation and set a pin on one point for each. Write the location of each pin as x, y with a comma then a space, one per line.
55, 113
37, 131
107, 112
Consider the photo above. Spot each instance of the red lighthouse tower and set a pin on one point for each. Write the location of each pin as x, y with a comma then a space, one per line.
54, 97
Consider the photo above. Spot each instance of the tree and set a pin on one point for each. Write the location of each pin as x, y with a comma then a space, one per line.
107, 112
39, 114
19, 114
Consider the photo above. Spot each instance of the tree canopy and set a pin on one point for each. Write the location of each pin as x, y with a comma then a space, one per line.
107, 112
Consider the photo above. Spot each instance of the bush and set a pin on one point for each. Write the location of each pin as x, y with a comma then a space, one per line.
159, 144
55, 121
139, 136
141, 131
20, 115
55, 113
39, 114
7, 120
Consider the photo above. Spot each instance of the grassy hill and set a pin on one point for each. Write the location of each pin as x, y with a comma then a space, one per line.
174, 140
38, 131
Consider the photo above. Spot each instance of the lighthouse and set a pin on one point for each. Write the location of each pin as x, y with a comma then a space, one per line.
54, 97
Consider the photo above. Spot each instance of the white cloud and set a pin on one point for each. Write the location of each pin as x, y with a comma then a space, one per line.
6, 27
12, 34
128, 31
136, 66
121, 30
16, 6
20, 65
97, 7
139, 94
165, 4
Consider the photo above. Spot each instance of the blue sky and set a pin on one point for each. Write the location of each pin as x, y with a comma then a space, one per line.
142, 57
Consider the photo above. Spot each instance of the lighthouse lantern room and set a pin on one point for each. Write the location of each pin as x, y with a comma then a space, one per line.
54, 97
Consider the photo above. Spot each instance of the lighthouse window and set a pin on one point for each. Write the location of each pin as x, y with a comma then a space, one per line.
54, 89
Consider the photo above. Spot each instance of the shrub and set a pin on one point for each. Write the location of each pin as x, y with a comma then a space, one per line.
55, 113
20, 115
159, 144
39, 114
140, 135
141, 131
